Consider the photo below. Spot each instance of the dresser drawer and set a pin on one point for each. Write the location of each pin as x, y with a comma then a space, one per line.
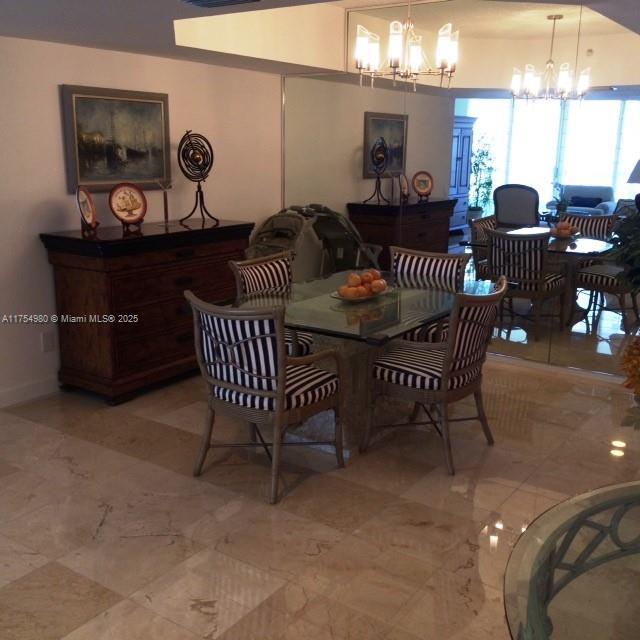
143, 352
148, 286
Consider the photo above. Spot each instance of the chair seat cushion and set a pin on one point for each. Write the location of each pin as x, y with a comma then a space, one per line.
600, 276
305, 385
551, 282
305, 342
417, 368
436, 331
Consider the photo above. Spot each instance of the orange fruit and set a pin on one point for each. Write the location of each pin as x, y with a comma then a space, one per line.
354, 280
342, 291
375, 274
351, 292
378, 286
366, 278
362, 292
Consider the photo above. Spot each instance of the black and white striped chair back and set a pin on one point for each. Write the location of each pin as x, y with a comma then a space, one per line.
471, 325
479, 228
598, 227
418, 269
521, 258
239, 349
263, 275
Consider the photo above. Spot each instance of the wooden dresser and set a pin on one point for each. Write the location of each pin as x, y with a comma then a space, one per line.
421, 225
123, 320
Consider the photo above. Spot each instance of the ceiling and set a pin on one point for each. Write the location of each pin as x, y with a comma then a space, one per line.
143, 26
496, 19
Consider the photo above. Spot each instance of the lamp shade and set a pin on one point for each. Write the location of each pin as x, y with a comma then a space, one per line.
634, 178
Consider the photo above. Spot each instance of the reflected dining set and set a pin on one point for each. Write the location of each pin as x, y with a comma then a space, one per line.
424, 341
540, 266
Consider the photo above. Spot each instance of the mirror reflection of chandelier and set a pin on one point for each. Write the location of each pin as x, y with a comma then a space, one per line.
550, 84
405, 58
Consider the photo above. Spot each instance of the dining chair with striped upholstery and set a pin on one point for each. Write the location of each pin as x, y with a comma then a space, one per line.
420, 269
242, 356
259, 278
522, 259
598, 227
516, 205
436, 375
478, 228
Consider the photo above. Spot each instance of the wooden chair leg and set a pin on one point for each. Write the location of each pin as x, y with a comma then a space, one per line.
337, 411
275, 460
446, 438
206, 441
483, 417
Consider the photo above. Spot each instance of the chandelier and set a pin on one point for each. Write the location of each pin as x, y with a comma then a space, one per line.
405, 58
550, 84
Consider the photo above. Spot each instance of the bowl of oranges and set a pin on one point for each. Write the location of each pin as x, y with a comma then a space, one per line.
361, 287
564, 230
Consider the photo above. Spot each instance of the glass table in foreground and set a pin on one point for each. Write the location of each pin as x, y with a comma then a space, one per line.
313, 306
574, 574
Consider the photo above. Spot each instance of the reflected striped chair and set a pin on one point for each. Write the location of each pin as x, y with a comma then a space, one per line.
419, 269
242, 357
259, 278
479, 242
435, 375
598, 227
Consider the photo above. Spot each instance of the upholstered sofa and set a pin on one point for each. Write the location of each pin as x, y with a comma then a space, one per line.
583, 199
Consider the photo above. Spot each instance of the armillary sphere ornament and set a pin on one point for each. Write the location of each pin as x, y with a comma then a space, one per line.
195, 158
379, 158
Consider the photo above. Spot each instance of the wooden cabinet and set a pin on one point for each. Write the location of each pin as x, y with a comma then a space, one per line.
422, 225
459, 182
123, 320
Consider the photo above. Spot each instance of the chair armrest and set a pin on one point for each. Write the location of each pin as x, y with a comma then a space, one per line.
325, 354
607, 207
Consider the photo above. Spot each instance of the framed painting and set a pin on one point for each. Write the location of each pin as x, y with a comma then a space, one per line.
114, 136
393, 129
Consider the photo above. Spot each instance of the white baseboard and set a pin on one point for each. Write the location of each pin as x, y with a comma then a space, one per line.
28, 391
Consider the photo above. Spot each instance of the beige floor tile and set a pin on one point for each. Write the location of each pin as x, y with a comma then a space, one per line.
66, 523
16, 560
208, 593
50, 602
337, 503
262, 623
7, 469
279, 542
417, 530
522, 507
125, 563
128, 621
451, 605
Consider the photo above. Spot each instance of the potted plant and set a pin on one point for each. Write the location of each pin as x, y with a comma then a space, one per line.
558, 197
481, 187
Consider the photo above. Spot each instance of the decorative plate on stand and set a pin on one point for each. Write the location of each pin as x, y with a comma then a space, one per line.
127, 203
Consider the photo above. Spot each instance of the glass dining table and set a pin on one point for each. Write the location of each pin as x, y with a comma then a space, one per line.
358, 330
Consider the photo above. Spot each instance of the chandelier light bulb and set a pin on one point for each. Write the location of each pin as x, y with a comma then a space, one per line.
516, 83
362, 47
565, 81
583, 82
531, 82
395, 44
374, 53
443, 47
452, 61
415, 54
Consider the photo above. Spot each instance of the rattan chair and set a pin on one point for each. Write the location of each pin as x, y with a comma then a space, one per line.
522, 259
419, 269
259, 278
242, 356
605, 278
435, 375
478, 243
516, 205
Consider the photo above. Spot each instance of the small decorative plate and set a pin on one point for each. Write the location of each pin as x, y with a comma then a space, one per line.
127, 203
86, 207
422, 183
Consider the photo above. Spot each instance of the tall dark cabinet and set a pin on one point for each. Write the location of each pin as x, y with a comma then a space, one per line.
461, 168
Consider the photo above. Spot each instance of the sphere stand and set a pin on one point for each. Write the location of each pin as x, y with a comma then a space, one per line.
377, 192
200, 203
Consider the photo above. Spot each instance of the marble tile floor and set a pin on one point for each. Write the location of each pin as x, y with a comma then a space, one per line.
104, 533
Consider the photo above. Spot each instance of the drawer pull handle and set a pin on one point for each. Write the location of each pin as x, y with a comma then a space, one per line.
185, 253
185, 337
183, 281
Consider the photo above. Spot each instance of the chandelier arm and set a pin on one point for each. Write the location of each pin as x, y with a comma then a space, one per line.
553, 36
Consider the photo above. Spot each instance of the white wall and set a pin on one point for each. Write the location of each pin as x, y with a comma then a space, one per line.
239, 111
324, 131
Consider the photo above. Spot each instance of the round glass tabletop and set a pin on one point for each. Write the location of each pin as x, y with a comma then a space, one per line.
575, 572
